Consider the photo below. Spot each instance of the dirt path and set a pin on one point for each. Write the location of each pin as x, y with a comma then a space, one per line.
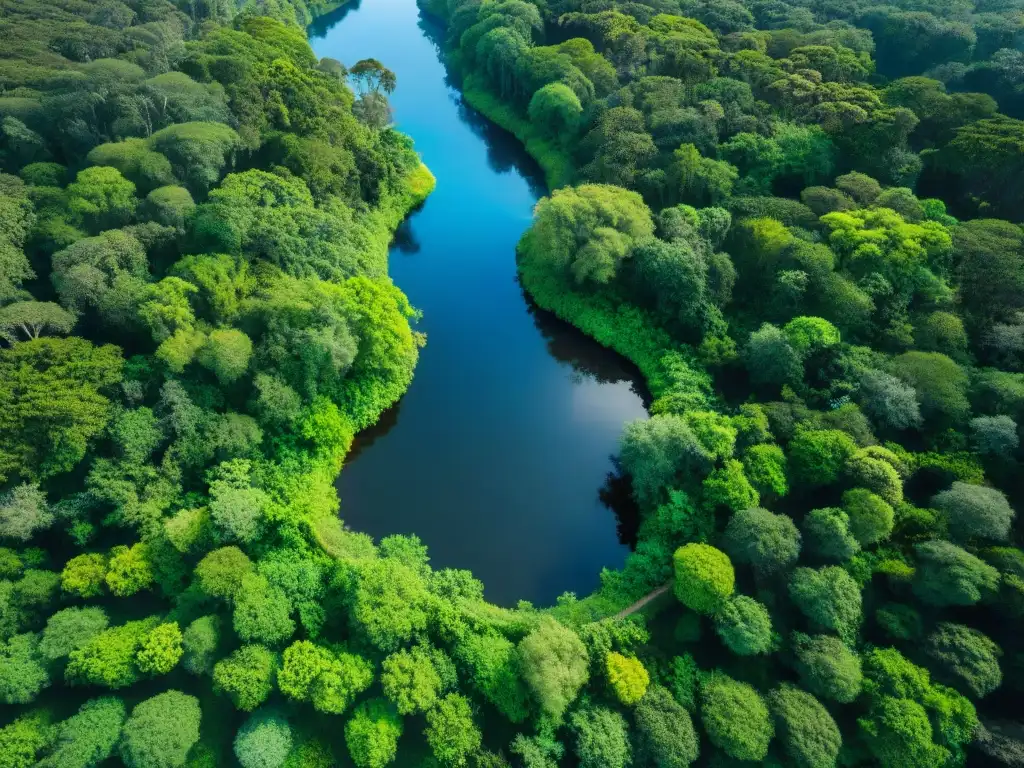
642, 602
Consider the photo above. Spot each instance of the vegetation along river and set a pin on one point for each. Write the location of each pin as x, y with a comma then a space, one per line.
496, 455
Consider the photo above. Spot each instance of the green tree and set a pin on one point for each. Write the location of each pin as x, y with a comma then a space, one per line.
87, 738
767, 542
829, 597
264, 740
735, 717
69, 629
665, 735
246, 676
949, 575
967, 658
129, 570
658, 453
974, 512
602, 739
871, 517
262, 612
728, 487
198, 152
827, 667
770, 358
494, 665
26, 320
556, 109
451, 732
898, 732
138, 163
827, 534
221, 573
372, 734
940, 383
411, 680
744, 626
54, 403
199, 642
23, 512
606, 221
704, 578
22, 674
627, 676
809, 735
227, 353
390, 605
109, 657
765, 466
160, 650
101, 198
329, 680
817, 456
160, 731
555, 666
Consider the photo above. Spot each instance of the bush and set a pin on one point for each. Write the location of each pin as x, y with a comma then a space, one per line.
735, 717
87, 738
704, 578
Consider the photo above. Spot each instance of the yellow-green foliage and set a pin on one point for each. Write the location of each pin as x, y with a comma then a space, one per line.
627, 677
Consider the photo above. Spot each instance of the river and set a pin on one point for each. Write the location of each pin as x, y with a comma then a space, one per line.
496, 455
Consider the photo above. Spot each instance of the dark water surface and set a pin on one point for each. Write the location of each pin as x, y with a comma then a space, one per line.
496, 455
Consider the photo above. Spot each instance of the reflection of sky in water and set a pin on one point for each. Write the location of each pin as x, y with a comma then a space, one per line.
496, 455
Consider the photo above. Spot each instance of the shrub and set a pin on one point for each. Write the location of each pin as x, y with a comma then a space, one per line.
818, 456
967, 659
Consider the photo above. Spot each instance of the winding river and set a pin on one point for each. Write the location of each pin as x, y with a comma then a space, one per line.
496, 455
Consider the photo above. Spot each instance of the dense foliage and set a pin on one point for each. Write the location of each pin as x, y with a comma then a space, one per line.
800, 220
797, 219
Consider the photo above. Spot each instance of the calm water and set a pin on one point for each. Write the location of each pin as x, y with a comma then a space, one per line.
496, 455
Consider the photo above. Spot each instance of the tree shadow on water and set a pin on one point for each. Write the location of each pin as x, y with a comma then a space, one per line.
617, 495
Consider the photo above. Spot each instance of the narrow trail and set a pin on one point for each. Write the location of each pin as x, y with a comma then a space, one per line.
643, 601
